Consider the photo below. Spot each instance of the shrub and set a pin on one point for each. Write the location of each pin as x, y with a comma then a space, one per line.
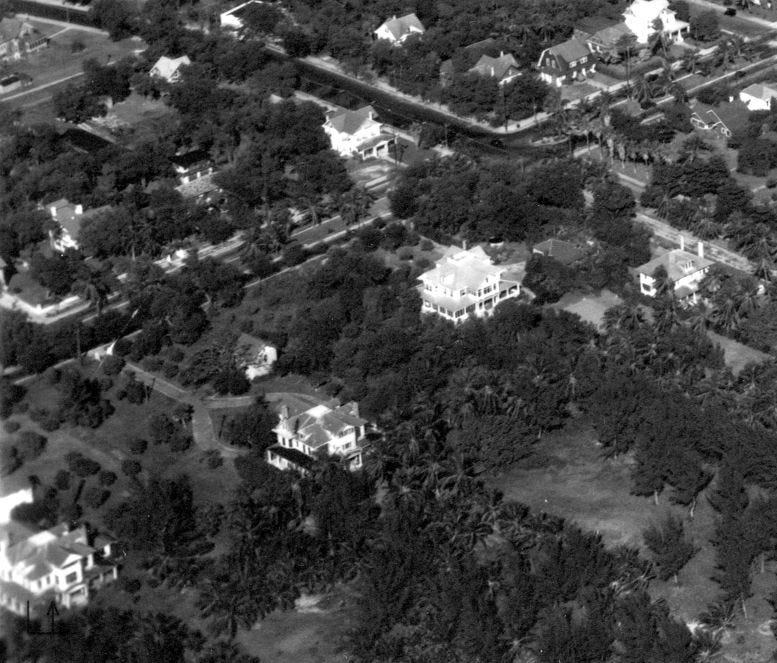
137, 445
423, 263
122, 347
30, 445
76, 46
11, 427
10, 394
36, 513
170, 370
161, 428
62, 479
771, 182
405, 253
107, 478
113, 364
10, 461
180, 441
153, 364
129, 585
174, 353
105, 383
213, 459
427, 245
95, 497
69, 512
131, 467
294, 254
82, 466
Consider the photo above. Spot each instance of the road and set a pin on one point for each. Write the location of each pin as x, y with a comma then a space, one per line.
740, 14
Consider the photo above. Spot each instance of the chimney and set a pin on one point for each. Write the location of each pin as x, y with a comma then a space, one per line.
464, 245
701, 249
682, 243
79, 209
284, 412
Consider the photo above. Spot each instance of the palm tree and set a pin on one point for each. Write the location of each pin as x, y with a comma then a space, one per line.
94, 287
642, 89
625, 46
354, 204
690, 59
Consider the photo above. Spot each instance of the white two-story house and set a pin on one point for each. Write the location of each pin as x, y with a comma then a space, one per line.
356, 133
397, 30
307, 426
58, 564
640, 17
466, 283
686, 271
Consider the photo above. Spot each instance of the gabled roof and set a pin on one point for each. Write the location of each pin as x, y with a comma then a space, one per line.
461, 269
314, 421
561, 251
677, 263
497, 67
734, 115
570, 50
190, 158
167, 68
610, 35
592, 24
350, 121
403, 26
760, 91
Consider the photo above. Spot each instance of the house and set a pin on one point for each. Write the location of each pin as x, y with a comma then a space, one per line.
232, 19
18, 37
308, 426
566, 62
60, 564
640, 17
254, 355
69, 218
503, 68
14, 82
472, 53
725, 119
192, 165
758, 96
466, 283
564, 252
397, 30
604, 41
358, 133
169, 69
684, 269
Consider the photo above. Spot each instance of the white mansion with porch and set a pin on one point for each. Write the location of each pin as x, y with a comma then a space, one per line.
686, 271
358, 133
466, 283
307, 426
60, 564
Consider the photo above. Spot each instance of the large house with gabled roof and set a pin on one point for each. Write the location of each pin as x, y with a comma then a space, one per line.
465, 283
397, 30
308, 425
357, 133
61, 564
565, 63
684, 269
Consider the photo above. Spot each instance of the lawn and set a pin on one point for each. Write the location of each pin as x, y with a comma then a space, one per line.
737, 355
567, 476
590, 308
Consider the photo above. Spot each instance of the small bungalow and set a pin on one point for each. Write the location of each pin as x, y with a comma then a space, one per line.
725, 119
503, 68
192, 165
169, 69
758, 96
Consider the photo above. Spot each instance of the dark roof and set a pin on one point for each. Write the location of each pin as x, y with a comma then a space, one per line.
569, 50
497, 67
350, 121
294, 456
190, 158
561, 251
592, 24
734, 115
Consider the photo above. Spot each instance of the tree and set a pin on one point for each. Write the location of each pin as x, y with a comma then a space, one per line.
705, 26
252, 428
76, 104
114, 16
670, 548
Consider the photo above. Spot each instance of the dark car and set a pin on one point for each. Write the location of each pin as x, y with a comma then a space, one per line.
730, 12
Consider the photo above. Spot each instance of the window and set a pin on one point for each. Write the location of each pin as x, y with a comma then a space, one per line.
347, 445
71, 577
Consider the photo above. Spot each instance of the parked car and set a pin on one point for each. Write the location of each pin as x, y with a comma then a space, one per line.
730, 12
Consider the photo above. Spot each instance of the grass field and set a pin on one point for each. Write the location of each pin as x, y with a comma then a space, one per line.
735, 354
567, 476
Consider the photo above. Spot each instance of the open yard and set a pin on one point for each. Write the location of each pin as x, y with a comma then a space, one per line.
737, 355
61, 63
590, 308
567, 476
